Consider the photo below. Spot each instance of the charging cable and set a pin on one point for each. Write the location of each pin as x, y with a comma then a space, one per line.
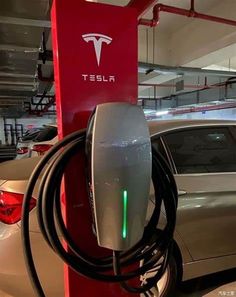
153, 250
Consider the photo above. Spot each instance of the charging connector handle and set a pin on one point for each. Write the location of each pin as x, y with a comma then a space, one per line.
153, 247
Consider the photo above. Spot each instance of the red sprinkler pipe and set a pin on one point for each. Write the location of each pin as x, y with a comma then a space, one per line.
184, 12
156, 17
203, 108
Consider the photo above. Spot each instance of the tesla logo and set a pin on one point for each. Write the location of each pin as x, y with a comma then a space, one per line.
97, 40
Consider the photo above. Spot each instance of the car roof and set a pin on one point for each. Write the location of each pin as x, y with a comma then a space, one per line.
161, 126
51, 125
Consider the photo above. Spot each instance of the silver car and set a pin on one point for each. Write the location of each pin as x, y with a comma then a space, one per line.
202, 156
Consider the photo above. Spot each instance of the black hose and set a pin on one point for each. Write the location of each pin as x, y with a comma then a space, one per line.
153, 247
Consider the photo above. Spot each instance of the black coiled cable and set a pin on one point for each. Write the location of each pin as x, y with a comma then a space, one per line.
153, 246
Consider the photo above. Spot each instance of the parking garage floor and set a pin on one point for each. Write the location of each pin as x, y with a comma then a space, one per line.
217, 285
224, 290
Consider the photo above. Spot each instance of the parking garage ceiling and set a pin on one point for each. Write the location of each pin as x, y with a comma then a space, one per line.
22, 23
25, 48
171, 23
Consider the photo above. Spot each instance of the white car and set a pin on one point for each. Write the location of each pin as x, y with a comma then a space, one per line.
202, 157
23, 142
37, 142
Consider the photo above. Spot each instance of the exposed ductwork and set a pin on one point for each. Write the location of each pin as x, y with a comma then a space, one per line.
22, 23
179, 70
185, 86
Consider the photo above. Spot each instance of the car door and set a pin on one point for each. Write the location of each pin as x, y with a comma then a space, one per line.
205, 163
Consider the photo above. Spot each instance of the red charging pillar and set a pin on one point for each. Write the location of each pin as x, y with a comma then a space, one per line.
95, 61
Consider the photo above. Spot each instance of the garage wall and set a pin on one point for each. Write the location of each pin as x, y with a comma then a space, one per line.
231, 91
153, 46
160, 104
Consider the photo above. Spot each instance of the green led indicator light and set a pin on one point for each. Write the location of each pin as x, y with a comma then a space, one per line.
125, 203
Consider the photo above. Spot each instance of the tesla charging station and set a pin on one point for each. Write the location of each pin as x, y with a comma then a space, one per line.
95, 56
105, 190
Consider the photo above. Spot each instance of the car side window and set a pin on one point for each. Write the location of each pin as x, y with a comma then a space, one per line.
158, 146
203, 150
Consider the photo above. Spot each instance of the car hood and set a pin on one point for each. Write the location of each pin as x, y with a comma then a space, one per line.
17, 169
